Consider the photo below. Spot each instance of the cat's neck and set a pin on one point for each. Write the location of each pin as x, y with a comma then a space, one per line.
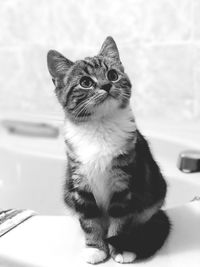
124, 118
96, 143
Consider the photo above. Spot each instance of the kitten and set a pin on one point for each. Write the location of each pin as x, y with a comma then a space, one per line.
112, 180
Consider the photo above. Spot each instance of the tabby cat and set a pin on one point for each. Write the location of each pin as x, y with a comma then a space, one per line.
112, 181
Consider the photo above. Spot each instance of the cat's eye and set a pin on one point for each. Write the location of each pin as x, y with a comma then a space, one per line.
112, 75
86, 82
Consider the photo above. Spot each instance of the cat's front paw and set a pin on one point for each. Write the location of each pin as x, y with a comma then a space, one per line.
125, 257
122, 257
94, 255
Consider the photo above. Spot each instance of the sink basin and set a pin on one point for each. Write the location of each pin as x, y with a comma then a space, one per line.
35, 166
182, 187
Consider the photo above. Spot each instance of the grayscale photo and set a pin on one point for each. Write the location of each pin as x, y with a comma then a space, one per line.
99, 133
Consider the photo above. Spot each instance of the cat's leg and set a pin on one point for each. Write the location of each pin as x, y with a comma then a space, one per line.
144, 238
115, 228
93, 225
96, 249
83, 202
120, 218
126, 213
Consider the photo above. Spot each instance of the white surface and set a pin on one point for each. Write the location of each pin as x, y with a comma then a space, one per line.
47, 241
32, 171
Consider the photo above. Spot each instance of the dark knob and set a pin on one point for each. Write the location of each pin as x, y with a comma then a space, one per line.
189, 161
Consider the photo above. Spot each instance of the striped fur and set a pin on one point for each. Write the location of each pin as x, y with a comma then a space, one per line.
112, 181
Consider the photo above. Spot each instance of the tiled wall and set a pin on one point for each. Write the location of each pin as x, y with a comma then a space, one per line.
159, 41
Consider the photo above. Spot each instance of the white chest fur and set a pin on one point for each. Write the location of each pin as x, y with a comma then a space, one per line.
96, 143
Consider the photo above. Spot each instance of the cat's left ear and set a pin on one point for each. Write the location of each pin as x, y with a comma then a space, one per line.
58, 65
109, 49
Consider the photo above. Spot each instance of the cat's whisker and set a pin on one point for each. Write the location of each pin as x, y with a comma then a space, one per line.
84, 109
126, 96
93, 99
82, 104
85, 105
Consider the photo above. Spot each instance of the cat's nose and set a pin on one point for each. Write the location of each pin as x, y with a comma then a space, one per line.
106, 87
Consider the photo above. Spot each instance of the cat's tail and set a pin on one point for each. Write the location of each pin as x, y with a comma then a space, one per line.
144, 240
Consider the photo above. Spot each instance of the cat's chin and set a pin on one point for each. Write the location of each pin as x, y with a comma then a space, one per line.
108, 98
107, 107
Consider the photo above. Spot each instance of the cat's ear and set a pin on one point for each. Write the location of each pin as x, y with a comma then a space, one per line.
58, 65
109, 49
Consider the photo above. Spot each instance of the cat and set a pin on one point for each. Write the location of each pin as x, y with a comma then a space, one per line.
112, 181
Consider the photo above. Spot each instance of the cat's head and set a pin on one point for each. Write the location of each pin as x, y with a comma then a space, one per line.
93, 87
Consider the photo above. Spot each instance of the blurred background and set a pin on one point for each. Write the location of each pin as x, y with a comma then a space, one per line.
159, 42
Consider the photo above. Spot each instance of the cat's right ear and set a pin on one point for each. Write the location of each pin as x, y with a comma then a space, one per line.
58, 65
109, 49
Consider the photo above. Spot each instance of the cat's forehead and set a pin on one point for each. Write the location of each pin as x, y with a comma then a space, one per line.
97, 62
91, 65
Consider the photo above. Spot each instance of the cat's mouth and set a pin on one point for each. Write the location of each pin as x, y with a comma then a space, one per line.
102, 99
113, 94
106, 97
